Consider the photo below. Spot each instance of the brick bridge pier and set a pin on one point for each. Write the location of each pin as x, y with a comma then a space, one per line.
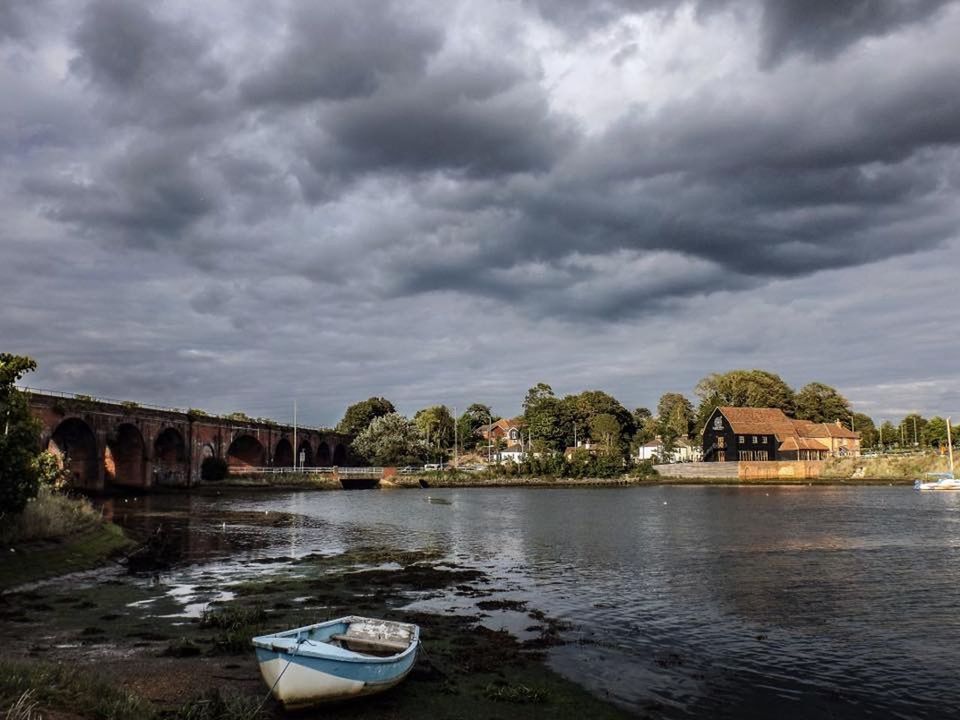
107, 444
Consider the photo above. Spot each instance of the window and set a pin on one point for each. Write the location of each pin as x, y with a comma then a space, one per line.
721, 442
763, 455
754, 439
741, 439
764, 439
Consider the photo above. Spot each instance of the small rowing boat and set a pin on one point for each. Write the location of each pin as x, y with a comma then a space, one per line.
338, 659
940, 482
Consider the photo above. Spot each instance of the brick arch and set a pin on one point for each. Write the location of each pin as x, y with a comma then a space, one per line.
323, 454
245, 451
170, 459
283, 453
75, 443
307, 453
125, 457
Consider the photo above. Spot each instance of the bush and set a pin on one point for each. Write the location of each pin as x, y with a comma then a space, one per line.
49, 515
19, 438
213, 469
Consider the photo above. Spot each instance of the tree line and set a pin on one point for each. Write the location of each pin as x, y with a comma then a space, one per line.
550, 423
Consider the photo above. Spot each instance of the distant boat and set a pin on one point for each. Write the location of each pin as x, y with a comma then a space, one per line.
338, 659
944, 481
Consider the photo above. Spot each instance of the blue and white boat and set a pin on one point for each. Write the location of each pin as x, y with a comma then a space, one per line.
943, 481
337, 659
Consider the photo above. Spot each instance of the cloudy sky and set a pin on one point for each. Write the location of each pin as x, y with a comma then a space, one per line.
230, 204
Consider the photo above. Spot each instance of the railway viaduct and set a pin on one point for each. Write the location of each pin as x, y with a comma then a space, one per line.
106, 444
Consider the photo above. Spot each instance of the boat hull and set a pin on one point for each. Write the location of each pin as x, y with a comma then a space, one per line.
300, 681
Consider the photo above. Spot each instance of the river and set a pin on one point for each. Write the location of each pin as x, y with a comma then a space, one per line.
683, 602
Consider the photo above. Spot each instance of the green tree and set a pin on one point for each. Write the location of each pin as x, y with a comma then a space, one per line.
590, 403
546, 418
436, 425
914, 426
742, 388
640, 416
675, 414
822, 404
390, 439
470, 421
863, 424
19, 438
359, 415
605, 431
935, 432
889, 434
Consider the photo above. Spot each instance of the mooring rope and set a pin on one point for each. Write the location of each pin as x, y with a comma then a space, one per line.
277, 681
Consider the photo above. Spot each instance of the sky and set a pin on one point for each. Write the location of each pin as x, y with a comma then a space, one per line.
234, 204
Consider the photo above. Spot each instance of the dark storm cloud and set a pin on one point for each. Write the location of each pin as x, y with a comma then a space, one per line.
823, 28
342, 49
482, 120
147, 196
150, 70
816, 28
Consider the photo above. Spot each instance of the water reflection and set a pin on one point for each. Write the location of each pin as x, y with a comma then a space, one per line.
685, 601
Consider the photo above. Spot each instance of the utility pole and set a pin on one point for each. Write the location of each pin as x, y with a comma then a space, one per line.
915, 431
489, 437
950, 445
575, 433
456, 439
296, 450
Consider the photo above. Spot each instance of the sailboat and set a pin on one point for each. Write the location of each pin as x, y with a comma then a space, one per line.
941, 481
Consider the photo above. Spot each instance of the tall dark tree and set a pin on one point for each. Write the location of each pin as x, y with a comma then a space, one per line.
359, 415
19, 438
584, 406
742, 388
470, 421
546, 418
914, 429
675, 414
436, 426
863, 424
822, 404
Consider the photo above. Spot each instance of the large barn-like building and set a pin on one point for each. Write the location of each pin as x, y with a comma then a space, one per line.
736, 433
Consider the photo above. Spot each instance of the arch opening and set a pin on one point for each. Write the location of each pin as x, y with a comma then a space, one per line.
75, 444
339, 454
323, 455
283, 454
170, 458
125, 458
305, 458
245, 452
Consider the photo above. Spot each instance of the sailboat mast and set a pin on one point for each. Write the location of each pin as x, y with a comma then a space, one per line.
950, 445
296, 450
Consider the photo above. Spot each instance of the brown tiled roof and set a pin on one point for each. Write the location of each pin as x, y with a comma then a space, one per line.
802, 443
766, 421
758, 421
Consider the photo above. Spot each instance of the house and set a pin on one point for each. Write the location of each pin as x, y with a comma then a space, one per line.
511, 453
591, 447
683, 451
768, 434
503, 429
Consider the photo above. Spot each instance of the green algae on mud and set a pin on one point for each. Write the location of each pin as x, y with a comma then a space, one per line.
39, 560
465, 670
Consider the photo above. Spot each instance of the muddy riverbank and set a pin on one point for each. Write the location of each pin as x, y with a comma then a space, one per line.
159, 658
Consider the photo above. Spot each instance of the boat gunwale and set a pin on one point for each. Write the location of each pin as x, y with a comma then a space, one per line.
263, 642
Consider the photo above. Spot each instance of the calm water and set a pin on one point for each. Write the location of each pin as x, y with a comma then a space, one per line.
684, 601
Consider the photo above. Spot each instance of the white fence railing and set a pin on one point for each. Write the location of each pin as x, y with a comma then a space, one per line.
244, 470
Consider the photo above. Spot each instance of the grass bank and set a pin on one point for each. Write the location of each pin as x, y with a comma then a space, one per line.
54, 535
905, 468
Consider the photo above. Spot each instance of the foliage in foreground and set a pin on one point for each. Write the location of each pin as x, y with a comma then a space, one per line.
19, 438
49, 515
26, 689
